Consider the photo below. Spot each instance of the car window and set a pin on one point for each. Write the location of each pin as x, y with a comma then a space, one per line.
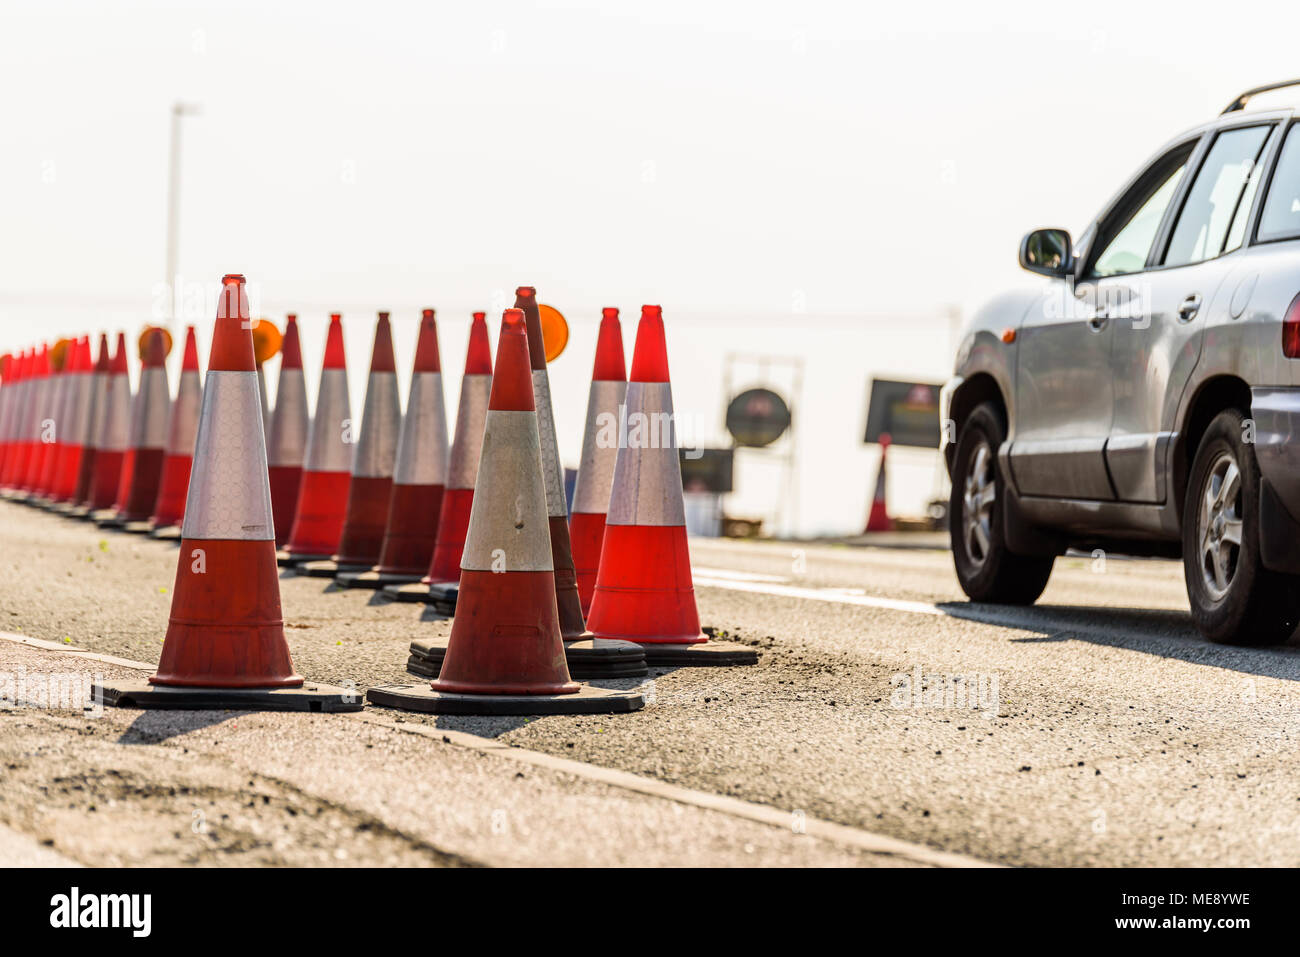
1213, 219
1280, 218
1127, 251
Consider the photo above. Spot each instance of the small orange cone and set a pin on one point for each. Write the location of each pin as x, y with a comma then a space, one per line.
327, 472
11, 379
506, 654
137, 490
462, 472
596, 470
644, 591
80, 501
76, 424
371, 488
419, 477
225, 644
878, 519
63, 360
39, 434
18, 386
179, 459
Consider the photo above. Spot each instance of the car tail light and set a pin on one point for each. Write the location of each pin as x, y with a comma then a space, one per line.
1291, 330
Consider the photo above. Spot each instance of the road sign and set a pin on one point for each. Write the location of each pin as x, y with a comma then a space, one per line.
908, 412
757, 418
707, 470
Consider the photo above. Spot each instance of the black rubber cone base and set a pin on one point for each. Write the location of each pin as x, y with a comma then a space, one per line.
327, 568
138, 693
108, 519
82, 512
286, 560
64, 508
586, 700
443, 598
703, 654
416, 591
587, 657
137, 528
167, 533
371, 578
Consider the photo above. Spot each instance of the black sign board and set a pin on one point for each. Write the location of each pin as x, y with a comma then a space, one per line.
706, 470
908, 412
757, 417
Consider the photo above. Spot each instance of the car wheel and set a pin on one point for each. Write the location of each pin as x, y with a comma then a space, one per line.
1234, 598
986, 568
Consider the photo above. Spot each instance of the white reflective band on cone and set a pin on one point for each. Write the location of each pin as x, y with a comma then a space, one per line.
286, 443
152, 405
422, 449
475, 391
37, 412
326, 451
648, 477
22, 410
58, 405
185, 416
79, 408
551, 472
508, 528
266, 402
229, 495
98, 406
381, 424
596, 470
117, 414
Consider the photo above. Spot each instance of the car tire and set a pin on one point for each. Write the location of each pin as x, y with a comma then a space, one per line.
1234, 598
987, 570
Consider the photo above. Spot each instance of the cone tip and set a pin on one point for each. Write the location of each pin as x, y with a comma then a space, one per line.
427, 358
610, 364
155, 353
334, 357
478, 359
650, 355
381, 356
190, 358
512, 385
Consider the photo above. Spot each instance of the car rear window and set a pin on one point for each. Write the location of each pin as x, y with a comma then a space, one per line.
1280, 218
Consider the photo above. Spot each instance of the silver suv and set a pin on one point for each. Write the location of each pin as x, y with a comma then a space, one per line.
1147, 401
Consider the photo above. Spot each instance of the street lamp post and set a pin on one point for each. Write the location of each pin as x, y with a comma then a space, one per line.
179, 110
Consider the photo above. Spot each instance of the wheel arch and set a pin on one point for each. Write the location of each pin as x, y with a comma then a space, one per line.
1210, 398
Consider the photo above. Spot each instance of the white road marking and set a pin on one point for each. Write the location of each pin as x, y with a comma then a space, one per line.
837, 595
735, 576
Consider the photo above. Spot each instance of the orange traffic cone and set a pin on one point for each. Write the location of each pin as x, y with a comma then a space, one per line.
79, 505
327, 472
11, 368
75, 425
506, 654
225, 644
287, 438
38, 425
419, 477
643, 589
371, 488
878, 519
142, 466
599, 452
179, 459
55, 427
114, 433
18, 387
462, 472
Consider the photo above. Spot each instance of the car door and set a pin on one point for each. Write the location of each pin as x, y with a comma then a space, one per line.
1157, 329
1065, 393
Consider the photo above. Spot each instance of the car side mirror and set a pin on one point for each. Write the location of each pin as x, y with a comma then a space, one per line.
1047, 252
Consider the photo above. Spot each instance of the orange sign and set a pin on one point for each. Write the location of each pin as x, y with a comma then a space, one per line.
555, 331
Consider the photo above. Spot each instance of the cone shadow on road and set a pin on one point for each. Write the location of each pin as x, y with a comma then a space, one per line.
154, 727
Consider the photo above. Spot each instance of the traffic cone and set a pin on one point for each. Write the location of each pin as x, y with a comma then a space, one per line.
644, 591
137, 491
327, 472
54, 426
287, 438
599, 451
371, 488
419, 477
506, 653
38, 421
462, 472
225, 644
115, 424
27, 425
9, 369
74, 424
79, 506
878, 519
182, 428
15, 394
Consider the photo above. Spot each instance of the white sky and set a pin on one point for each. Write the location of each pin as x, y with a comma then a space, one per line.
800, 166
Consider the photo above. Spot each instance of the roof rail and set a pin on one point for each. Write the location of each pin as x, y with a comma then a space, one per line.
1240, 102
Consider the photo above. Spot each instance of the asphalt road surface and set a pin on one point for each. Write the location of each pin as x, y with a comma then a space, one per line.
888, 722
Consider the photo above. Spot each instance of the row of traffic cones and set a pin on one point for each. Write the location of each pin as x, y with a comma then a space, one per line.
519, 598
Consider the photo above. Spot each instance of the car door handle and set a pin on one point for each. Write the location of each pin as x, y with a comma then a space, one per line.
1190, 307
1098, 323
